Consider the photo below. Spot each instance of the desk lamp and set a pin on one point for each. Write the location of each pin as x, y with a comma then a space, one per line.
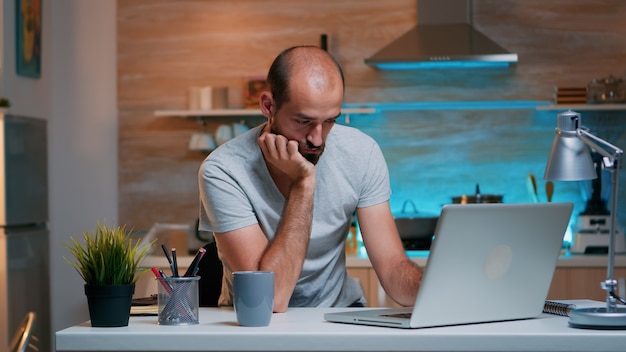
570, 160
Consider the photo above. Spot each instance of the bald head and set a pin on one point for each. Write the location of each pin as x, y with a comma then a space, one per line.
308, 65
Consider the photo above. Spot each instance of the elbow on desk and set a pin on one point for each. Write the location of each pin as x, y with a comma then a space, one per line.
280, 306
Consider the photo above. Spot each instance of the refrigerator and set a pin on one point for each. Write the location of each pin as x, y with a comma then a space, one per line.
24, 236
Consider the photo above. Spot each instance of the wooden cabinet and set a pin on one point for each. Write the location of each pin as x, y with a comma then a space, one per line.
374, 293
584, 282
571, 280
583, 107
567, 283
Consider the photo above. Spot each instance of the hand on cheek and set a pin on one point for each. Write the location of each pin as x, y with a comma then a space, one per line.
283, 154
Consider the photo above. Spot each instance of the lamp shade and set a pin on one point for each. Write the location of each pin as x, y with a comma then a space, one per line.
570, 157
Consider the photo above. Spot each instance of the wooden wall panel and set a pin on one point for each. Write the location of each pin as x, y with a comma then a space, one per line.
166, 46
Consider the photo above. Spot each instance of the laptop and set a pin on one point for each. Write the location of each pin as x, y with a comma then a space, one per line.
487, 263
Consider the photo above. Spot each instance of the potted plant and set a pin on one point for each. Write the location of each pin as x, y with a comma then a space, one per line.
108, 261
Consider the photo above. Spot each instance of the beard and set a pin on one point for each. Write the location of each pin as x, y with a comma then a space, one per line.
312, 158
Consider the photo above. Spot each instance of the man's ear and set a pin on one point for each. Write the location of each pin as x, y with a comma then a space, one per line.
266, 103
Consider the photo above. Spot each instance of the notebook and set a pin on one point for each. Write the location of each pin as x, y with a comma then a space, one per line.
564, 306
487, 263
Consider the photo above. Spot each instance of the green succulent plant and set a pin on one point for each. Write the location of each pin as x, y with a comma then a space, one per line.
108, 256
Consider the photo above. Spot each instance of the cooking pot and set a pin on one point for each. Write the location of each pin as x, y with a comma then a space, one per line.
415, 225
477, 198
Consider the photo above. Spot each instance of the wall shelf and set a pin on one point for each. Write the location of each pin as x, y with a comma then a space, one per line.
242, 112
410, 106
457, 105
583, 107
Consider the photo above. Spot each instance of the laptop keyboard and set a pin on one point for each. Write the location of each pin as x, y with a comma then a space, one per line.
398, 315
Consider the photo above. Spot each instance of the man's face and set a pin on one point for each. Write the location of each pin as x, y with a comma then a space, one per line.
307, 118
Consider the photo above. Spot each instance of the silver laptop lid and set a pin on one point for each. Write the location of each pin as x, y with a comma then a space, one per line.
490, 262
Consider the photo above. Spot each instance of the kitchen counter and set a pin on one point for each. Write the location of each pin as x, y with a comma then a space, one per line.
567, 259
576, 276
304, 329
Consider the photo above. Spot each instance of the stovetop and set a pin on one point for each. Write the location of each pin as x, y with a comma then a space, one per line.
417, 245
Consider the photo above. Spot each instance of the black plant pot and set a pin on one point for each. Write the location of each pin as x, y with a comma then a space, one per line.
109, 306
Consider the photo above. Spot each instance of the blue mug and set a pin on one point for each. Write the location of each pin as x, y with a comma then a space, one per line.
253, 297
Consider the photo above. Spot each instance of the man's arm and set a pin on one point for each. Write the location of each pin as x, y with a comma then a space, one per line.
399, 276
248, 248
285, 254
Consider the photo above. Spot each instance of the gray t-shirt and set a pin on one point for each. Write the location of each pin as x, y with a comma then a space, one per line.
236, 190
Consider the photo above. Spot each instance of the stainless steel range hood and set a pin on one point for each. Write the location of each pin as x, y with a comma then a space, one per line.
443, 38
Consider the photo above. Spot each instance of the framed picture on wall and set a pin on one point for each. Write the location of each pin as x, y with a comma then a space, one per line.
28, 38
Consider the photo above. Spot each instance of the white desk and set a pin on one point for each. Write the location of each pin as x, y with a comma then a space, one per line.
303, 329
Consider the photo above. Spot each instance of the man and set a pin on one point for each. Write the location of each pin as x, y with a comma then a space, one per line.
281, 197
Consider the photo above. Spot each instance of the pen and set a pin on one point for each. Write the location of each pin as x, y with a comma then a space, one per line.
169, 259
174, 263
159, 274
195, 262
167, 254
196, 268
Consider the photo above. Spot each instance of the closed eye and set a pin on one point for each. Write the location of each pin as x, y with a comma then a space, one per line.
304, 122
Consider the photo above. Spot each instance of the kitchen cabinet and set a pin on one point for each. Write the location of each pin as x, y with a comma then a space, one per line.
575, 283
573, 279
583, 107
370, 285
567, 283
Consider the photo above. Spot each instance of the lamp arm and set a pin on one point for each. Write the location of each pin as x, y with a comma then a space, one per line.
600, 145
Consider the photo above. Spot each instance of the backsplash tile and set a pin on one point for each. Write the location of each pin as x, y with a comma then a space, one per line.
434, 155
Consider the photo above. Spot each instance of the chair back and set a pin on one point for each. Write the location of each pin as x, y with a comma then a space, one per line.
210, 271
24, 338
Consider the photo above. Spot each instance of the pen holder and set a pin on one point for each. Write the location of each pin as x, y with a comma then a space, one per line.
178, 300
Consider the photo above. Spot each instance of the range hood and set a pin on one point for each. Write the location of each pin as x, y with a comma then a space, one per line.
443, 38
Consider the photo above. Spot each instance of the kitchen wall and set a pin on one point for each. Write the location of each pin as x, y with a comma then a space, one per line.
76, 94
164, 47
